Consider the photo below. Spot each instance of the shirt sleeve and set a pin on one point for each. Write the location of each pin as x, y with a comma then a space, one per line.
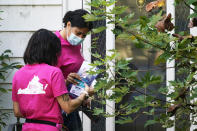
14, 89
58, 84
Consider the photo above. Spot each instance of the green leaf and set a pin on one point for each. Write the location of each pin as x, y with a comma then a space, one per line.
96, 55
124, 120
2, 77
129, 73
162, 58
100, 84
97, 63
140, 98
192, 15
91, 17
132, 110
98, 111
190, 77
191, 1
3, 90
124, 36
163, 90
149, 79
9, 89
18, 66
155, 18
150, 122
151, 112
110, 3
7, 51
99, 29
122, 64
118, 10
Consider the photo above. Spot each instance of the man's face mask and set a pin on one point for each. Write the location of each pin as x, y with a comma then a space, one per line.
73, 39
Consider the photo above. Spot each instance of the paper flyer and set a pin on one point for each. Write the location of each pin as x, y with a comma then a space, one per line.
75, 90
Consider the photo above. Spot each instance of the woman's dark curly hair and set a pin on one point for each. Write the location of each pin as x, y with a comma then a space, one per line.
43, 47
76, 19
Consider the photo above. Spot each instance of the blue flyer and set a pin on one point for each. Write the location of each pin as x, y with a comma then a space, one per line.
75, 90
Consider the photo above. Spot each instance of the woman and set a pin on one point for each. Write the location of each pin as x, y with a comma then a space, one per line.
74, 32
39, 88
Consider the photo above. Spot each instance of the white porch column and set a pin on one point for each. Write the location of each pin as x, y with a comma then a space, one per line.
86, 51
110, 44
170, 72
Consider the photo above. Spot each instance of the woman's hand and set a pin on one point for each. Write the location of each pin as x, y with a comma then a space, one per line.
89, 90
87, 103
69, 105
71, 79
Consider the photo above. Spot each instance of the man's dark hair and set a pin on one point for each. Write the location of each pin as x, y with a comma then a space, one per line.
43, 47
76, 19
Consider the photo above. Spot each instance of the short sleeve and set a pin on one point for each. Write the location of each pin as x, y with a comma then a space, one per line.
58, 84
14, 89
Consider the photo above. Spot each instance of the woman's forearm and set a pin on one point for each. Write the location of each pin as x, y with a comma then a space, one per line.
69, 105
16, 109
75, 103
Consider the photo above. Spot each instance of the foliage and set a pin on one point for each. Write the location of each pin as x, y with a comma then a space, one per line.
189, 3
124, 80
5, 67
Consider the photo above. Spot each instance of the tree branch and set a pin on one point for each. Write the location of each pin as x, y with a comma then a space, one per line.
190, 6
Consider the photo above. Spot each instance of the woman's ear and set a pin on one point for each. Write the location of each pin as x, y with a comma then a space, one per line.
68, 24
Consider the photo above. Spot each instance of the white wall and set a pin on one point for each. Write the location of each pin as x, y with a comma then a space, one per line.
20, 19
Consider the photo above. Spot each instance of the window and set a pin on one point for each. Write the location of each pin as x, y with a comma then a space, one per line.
143, 60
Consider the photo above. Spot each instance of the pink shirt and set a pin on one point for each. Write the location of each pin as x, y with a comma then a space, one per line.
35, 88
70, 59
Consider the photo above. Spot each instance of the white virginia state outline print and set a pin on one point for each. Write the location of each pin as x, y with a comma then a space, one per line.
34, 87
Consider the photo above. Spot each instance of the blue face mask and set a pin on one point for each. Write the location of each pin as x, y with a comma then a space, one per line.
74, 40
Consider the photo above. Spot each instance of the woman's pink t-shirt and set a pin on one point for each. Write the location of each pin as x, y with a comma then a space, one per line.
70, 59
35, 88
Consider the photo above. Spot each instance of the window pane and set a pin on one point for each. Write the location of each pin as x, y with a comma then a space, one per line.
143, 59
